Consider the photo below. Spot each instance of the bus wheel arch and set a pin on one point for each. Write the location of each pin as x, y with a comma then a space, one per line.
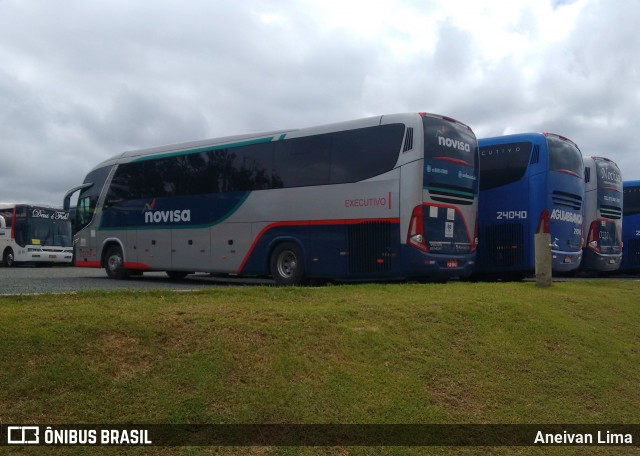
113, 261
8, 258
287, 264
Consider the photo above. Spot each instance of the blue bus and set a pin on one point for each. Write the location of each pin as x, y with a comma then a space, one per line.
631, 226
391, 196
528, 181
602, 228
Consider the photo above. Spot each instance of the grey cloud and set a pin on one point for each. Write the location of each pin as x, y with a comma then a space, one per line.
110, 76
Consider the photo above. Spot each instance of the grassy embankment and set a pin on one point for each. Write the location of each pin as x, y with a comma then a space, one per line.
454, 353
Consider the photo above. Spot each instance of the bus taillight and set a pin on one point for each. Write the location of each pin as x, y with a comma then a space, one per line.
474, 243
592, 238
415, 237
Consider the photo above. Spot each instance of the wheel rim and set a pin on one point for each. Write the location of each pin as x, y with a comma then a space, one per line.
287, 264
114, 263
9, 259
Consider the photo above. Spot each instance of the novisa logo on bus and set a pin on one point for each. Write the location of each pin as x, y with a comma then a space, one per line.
172, 216
454, 144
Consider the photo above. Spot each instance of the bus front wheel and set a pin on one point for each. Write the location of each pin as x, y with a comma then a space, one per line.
287, 265
8, 258
114, 263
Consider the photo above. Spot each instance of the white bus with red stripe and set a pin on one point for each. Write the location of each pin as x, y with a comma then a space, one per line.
385, 197
34, 234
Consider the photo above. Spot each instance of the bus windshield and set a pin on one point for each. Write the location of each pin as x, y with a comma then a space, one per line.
451, 154
608, 237
42, 226
609, 175
50, 232
564, 157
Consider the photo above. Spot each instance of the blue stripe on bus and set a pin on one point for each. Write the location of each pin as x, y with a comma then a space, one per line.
194, 211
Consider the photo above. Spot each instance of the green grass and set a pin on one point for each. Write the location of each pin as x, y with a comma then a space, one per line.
453, 353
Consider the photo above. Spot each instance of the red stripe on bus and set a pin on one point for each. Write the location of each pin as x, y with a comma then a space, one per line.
454, 160
88, 264
140, 266
127, 265
307, 223
566, 171
13, 223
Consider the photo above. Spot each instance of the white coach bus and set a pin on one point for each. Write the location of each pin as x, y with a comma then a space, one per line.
34, 234
391, 196
602, 228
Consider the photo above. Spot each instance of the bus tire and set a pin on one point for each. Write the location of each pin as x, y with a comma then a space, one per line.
287, 264
8, 259
114, 263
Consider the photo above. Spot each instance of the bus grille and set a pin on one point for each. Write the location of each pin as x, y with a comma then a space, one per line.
502, 247
369, 246
611, 212
565, 199
451, 195
632, 259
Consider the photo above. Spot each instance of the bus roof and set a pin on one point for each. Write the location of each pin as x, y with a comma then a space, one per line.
39, 206
265, 136
525, 137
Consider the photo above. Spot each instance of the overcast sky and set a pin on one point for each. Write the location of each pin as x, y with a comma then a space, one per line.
82, 80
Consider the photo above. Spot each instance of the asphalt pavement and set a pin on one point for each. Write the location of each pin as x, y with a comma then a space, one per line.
29, 279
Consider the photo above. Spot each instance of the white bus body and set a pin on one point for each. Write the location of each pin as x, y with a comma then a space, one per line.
382, 197
34, 234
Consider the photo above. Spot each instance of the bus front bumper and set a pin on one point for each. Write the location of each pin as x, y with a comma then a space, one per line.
43, 255
600, 262
565, 261
437, 266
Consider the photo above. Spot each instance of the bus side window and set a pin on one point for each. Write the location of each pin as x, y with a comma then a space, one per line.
21, 233
3, 224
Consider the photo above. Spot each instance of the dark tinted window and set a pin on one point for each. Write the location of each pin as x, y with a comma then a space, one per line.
443, 138
48, 227
88, 197
608, 237
608, 175
21, 226
302, 162
340, 157
503, 164
251, 167
565, 157
360, 154
631, 201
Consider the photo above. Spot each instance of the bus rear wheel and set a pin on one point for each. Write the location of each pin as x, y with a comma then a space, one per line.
287, 265
8, 259
114, 263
